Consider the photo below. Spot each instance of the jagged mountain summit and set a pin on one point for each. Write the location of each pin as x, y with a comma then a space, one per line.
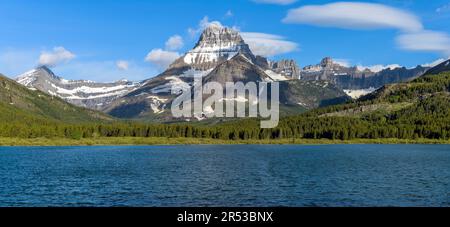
357, 81
216, 44
82, 93
221, 55
286, 67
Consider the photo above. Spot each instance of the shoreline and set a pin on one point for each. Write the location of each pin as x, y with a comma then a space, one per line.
148, 141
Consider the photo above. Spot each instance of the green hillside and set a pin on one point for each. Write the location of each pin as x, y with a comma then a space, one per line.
18, 104
415, 111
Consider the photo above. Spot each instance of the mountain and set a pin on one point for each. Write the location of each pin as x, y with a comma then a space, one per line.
82, 93
429, 94
443, 67
21, 105
221, 55
310, 94
410, 111
357, 79
286, 67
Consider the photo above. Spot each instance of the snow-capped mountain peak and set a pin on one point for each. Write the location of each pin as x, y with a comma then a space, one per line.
83, 93
217, 43
28, 78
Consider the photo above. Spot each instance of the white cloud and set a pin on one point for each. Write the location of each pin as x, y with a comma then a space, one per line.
431, 41
122, 65
174, 43
55, 57
278, 2
161, 58
14, 62
358, 15
204, 23
354, 15
268, 45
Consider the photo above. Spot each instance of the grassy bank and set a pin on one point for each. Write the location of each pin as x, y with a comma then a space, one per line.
193, 141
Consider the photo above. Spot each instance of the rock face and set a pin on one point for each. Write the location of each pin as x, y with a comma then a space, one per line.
82, 93
356, 78
311, 94
220, 55
287, 68
216, 45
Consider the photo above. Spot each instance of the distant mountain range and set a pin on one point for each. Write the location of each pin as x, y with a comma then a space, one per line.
354, 78
221, 55
19, 104
82, 93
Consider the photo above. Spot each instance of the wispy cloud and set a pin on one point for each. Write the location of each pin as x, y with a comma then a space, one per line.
368, 16
229, 14
343, 62
57, 56
277, 2
354, 15
122, 65
443, 9
430, 41
268, 45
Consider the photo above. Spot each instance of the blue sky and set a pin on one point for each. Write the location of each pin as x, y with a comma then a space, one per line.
106, 40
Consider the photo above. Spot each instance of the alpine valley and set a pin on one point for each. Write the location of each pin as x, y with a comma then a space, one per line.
324, 101
221, 55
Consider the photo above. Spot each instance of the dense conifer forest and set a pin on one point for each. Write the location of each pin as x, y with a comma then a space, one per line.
413, 110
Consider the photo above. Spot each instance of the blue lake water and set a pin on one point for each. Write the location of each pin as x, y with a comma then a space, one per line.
226, 175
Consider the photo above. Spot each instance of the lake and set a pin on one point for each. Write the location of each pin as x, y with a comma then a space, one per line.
226, 175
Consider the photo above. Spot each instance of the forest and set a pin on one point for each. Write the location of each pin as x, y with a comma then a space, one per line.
426, 115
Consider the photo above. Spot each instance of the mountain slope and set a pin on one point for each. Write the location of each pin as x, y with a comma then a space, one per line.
82, 93
393, 98
311, 94
220, 55
20, 104
409, 111
443, 67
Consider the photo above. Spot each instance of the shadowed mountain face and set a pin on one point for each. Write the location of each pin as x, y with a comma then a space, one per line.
443, 67
221, 55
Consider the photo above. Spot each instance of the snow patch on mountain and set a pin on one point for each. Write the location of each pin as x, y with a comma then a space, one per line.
175, 84
157, 104
275, 76
216, 43
83, 93
355, 94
